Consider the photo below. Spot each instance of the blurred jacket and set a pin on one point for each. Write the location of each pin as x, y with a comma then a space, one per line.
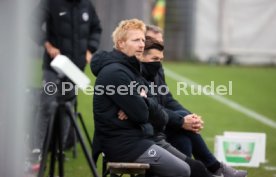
72, 26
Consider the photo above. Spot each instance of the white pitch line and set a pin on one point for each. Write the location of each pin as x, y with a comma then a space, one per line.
254, 115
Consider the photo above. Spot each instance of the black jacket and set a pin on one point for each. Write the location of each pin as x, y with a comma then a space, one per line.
120, 140
167, 101
72, 26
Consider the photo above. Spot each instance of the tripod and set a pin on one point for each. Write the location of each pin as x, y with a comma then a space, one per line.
60, 109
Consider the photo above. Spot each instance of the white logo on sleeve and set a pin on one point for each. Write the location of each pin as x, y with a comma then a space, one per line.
85, 16
152, 152
62, 13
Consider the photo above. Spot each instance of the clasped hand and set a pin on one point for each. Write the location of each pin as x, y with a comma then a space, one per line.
193, 122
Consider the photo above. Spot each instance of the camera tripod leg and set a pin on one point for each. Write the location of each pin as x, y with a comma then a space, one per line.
84, 148
53, 155
75, 142
47, 141
60, 141
85, 129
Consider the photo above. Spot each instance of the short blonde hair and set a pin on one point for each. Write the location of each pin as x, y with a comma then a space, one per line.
121, 30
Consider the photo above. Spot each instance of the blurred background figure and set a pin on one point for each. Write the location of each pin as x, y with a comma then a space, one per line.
67, 27
158, 13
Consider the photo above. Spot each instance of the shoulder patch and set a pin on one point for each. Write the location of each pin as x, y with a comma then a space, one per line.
85, 16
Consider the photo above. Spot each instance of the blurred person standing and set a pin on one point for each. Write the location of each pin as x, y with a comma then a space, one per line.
71, 28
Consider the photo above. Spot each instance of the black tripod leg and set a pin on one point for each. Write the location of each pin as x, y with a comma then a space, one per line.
75, 136
84, 148
53, 153
85, 129
75, 141
47, 141
60, 141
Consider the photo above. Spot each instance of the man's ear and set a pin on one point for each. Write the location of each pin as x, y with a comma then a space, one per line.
121, 44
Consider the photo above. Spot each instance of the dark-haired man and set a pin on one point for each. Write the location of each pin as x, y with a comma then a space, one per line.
183, 127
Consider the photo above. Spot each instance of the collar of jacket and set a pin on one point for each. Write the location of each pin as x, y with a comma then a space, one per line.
131, 62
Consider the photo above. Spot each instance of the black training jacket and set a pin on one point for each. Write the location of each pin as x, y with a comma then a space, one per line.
72, 26
169, 103
120, 140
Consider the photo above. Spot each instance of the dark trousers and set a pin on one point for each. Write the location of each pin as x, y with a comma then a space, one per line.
197, 168
163, 163
190, 143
